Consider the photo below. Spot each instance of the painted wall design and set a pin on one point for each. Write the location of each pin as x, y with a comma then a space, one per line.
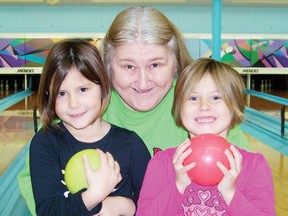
236, 53
16, 52
266, 53
269, 53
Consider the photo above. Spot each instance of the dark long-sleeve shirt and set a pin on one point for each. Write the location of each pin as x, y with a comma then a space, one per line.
50, 152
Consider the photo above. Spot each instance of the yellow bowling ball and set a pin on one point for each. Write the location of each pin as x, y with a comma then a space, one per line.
74, 175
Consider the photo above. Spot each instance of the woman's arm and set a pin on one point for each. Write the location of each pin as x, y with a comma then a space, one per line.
117, 205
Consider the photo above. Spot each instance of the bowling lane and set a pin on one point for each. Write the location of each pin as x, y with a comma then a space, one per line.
16, 129
4, 93
269, 107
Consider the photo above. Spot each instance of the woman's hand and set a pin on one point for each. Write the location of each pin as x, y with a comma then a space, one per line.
117, 205
227, 186
182, 178
100, 182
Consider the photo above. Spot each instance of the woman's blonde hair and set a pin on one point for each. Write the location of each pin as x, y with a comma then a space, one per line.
228, 81
147, 25
65, 55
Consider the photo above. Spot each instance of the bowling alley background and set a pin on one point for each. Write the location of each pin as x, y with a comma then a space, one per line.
253, 34
254, 40
25, 55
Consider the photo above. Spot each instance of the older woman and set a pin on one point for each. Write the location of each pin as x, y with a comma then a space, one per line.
143, 53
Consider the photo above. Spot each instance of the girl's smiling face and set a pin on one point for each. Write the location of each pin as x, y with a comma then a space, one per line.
205, 111
78, 102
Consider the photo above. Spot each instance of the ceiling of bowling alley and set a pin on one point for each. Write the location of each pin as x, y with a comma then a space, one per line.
165, 2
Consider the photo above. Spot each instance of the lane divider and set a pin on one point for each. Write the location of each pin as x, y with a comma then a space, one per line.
13, 99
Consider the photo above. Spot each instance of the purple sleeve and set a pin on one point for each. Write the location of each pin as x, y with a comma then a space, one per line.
159, 195
255, 190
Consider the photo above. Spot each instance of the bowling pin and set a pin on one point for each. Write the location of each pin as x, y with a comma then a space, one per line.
1, 85
253, 85
7, 85
15, 85
262, 86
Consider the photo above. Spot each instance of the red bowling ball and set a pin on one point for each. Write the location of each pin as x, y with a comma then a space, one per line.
207, 149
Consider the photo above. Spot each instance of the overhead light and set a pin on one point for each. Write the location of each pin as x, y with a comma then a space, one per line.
53, 2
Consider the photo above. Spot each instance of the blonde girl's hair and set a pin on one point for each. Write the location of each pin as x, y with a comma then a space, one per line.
66, 55
228, 81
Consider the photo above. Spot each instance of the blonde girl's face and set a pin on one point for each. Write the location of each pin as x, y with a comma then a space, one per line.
205, 111
142, 74
78, 102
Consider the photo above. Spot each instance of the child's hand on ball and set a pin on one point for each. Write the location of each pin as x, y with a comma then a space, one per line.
227, 186
102, 181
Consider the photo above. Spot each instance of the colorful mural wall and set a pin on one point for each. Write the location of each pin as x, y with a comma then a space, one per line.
15, 52
266, 53
256, 53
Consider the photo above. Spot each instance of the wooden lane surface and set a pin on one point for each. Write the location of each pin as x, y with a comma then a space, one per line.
261, 104
16, 129
278, 162
279, 166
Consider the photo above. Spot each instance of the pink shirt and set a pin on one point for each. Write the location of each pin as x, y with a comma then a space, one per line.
159, 194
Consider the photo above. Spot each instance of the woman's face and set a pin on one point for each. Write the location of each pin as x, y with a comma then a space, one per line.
205, 111
142, 74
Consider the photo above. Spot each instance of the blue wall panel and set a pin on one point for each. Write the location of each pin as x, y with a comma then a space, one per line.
189, 19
